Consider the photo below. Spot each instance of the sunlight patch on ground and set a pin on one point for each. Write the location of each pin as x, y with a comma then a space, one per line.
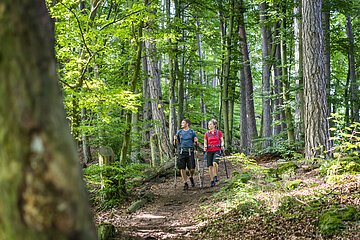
149, 216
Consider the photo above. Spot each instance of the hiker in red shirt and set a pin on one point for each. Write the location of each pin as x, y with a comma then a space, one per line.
213, 145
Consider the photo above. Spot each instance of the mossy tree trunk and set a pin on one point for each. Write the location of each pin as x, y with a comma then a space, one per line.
41, 191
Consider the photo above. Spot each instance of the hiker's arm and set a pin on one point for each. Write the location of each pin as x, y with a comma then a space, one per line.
222, 143
175, 140
205, 144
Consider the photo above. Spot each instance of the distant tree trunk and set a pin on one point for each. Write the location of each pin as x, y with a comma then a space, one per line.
179, 72
173, 123
286, 81
223, 48
42, 195
147, 116
134, 80
248, 77
299, 83
316, 109
266, 101
201, 78
226, 83
352, 72
277, 85
85, 140
244, 137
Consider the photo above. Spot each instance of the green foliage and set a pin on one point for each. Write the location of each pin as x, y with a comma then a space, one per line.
110, 184
291, 185
333, 220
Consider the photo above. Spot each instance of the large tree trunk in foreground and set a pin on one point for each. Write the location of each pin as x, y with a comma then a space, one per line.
316, 110
41, 191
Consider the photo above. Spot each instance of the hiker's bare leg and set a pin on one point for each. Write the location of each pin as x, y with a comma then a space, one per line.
192, 171
183, 175
216, 168
211, 172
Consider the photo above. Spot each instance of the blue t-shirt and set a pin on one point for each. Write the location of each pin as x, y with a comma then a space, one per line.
186, 138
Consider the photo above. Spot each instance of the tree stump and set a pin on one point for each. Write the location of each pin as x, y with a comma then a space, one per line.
106, 155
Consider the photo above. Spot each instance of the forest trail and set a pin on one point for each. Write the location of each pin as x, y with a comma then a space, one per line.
172, 212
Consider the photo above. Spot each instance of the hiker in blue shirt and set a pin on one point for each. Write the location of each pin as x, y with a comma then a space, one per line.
185, 141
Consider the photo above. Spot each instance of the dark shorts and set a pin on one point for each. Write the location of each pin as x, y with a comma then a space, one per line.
212, 157
186, 159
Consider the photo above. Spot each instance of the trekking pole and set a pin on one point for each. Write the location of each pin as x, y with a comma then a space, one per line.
197, 164
175, 165
226, 170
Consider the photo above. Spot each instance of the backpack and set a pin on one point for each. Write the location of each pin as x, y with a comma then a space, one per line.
210, 134
180, 135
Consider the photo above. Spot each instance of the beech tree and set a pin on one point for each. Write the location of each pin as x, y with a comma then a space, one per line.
41, 191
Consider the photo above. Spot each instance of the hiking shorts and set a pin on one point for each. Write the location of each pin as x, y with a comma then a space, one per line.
186, 159
212, 157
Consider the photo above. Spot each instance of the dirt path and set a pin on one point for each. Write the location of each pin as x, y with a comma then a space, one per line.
171, 215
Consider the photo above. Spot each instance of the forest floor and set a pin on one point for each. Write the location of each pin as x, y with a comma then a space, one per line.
198, 214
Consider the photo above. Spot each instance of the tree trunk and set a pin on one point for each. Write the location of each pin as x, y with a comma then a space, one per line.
299, 83
244, 137
42, 195
157, 105
286, 81
226, 83
85, 140
201, 78
266, 101
354, 90
137, 67
248, 77
316, 109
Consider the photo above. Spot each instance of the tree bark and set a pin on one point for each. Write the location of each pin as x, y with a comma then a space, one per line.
266, 91
316, 109
42, 195
248, 77
299, 83
226, 83
157, 105
286, 81
134, 80
354, 90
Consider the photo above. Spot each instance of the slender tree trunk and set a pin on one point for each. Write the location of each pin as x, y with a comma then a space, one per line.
222, 72
85, 140
277, 103
286, 82
316, 109
248, 77
178, 70
299, 83
266, 91
147, 116
172, 109
42, 195
244, 137
226, 83
352, 72
201, 78
137, 67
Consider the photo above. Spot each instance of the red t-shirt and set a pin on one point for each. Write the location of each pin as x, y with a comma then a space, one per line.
213, 140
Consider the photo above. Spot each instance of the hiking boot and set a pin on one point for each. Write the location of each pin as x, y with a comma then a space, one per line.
216, 179
192, 182
186, 186
212, 184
